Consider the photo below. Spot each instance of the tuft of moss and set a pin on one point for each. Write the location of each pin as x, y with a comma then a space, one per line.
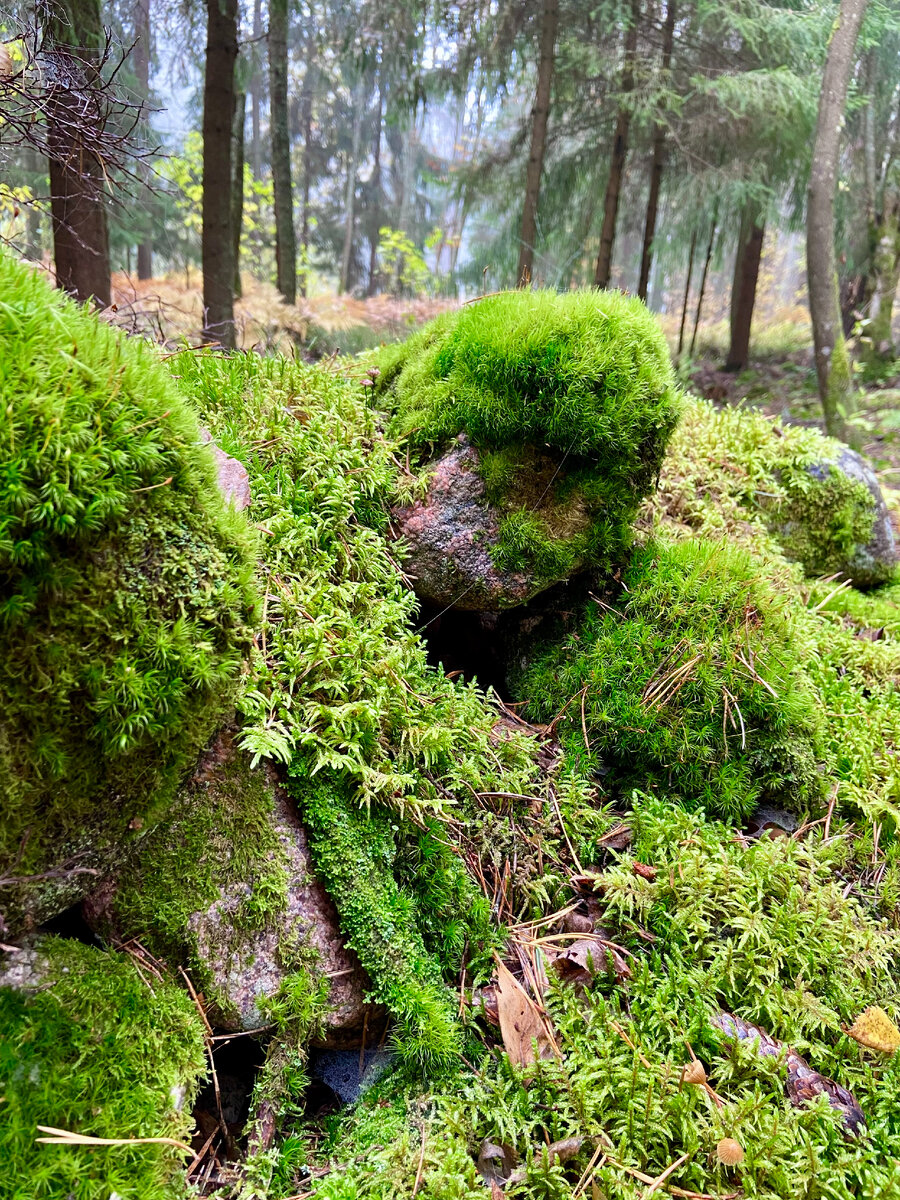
125, 590
689, 675
92, 1049
584, 376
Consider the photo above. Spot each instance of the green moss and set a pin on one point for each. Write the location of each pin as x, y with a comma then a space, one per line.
125, 588
219, 832
584, 376
354, 854
690, 677
770, 485
95, 1051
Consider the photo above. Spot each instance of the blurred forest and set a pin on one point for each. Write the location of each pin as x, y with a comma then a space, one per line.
326, 174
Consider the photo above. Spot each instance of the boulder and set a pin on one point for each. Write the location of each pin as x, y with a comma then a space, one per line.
456, 553
226, 885
835, 520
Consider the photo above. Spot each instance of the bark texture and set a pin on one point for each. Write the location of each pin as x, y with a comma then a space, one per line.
832, 364
659, 159
285, 237
218, 118
74, 123
540, 115
619, 155
743, 287
237, 185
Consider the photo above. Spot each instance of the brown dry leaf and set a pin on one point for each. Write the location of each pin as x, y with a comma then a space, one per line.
495, 1163
616, 838
496, 1191
521, 1026
642, 869
587, 957
5, 61
875, 1029
557, 1152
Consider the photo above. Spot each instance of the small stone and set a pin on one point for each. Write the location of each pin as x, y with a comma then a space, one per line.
234, 481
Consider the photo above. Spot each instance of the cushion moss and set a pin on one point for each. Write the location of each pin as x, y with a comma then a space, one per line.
689, 674
96, 1051
125, 587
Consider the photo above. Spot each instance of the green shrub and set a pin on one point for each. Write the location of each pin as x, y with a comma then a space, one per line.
689, 676
583, 375
125, 590
95, 1050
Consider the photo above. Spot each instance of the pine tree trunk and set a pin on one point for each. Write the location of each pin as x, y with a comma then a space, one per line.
375, 222
659, 158
540, 115
704, 276
285, 238
687, 292
743, 287
619, 155
256, 88
832, 363
306, 121
237, 186
217, 246
77, 208
141, 57
350, 202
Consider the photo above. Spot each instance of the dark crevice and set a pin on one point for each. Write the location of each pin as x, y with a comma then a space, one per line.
238, 1062
70, 923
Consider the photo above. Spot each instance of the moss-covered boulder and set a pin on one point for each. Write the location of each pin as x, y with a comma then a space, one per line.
737, 471
687, 676
224, 885
91, 1047
125, 593
564, 403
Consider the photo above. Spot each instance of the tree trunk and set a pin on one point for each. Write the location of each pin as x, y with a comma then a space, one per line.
743, 287
256, 93
35, 165
703, 278
285, 238
74, 121
687, 292
306, 104
142, 72
540, 114
832, 363
237, 186
885, 277
375, 222
350, 203
218, 120
659, 158
619, 154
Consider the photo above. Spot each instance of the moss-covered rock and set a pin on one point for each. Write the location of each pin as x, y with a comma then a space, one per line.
125, 593
688, 675
567, 401
784, 488
90, 1047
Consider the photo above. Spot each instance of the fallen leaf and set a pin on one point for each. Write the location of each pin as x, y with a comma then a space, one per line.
616, 838
642, 869
521, 1025
587, 957
495, 1163
556, 1152
875, 1029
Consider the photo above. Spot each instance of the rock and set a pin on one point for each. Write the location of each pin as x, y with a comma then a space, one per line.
234, 481
454, 536
246, 966
226, 884
840, 525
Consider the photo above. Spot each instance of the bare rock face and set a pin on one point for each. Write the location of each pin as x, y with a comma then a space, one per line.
452, 536
234, 482
246, 966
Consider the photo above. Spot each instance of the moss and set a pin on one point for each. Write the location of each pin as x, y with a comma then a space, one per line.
94, 1050
219, 832
689, 676
354, 854
125, 586
738, 472
582, 377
